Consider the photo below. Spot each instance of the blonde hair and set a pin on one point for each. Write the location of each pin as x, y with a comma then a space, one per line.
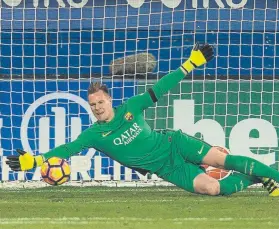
97, 86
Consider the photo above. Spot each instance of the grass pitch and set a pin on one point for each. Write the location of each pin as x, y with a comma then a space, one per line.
135, 208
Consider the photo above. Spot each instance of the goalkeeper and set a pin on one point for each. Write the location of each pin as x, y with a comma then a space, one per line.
123, 134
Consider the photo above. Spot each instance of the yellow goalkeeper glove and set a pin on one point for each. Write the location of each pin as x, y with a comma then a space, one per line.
199, 56
24, 161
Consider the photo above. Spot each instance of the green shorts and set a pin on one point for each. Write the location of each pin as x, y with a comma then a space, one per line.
186, 157
191, 149
183, 176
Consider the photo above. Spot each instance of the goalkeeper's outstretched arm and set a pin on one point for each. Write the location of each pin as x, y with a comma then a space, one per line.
26, 161
199, 56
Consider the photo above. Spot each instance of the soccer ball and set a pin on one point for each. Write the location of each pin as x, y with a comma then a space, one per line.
216, 173
55, 171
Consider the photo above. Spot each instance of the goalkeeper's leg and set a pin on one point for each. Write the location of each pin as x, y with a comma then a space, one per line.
236, 182
199, 152
242, 164
192, 178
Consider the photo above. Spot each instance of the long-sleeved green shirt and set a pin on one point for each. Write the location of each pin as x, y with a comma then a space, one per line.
127, 138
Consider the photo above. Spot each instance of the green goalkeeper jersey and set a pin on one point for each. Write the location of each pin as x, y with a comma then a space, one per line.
127, 138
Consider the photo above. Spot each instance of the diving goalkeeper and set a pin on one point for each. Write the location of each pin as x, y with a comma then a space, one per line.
123, 134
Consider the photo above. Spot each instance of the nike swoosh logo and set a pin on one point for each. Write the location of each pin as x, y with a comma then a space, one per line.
106, 134
199, 152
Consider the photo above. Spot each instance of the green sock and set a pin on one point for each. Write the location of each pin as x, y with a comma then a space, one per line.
236, 182
250, 167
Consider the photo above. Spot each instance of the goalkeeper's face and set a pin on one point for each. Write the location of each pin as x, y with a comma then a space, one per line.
101, 106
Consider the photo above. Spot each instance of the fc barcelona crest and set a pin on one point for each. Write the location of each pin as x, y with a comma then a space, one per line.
128, 116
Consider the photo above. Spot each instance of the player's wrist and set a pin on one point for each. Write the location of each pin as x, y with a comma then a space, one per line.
187, 66
39, 160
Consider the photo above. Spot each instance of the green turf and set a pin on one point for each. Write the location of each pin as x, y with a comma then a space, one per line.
121, 208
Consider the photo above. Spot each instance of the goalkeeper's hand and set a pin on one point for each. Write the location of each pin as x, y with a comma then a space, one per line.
24, 161
199, 56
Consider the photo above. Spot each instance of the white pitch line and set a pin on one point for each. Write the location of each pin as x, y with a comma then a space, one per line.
111, 220
105, 201
110, 190
91, 190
